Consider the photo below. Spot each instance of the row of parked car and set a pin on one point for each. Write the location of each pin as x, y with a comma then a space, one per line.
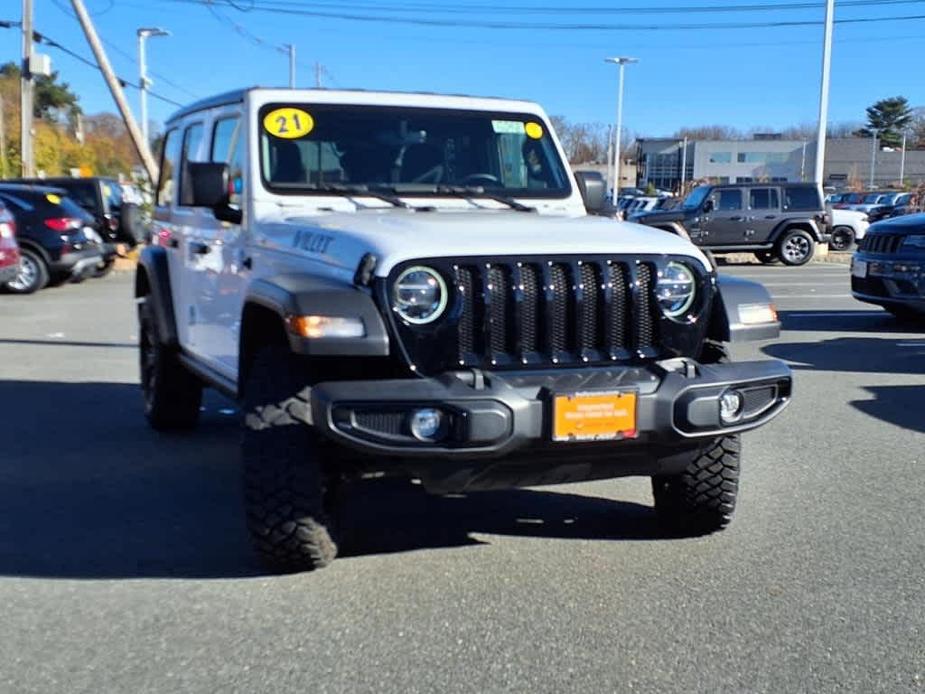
56, 230
876, 205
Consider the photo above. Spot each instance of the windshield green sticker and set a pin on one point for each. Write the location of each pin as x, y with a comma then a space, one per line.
508, 127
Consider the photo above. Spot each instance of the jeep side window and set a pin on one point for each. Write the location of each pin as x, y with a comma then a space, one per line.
227, 148
728, 200
170, 153
192, 138
763, 199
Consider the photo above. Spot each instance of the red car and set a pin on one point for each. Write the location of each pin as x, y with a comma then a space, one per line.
9, 249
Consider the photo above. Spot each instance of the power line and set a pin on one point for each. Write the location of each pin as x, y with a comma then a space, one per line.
481, 24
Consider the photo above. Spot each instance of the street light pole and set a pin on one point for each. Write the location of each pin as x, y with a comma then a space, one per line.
622, 62
143, 81
824, 92
902, 162
873, 155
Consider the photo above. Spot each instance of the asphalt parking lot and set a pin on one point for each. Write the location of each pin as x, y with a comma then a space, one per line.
124, 565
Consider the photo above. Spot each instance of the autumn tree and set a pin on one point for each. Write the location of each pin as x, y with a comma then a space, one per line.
888, 118
53, 100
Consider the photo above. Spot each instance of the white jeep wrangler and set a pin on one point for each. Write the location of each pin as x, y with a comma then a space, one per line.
411, 284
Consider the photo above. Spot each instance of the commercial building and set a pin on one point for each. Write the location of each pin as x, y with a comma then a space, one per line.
766, 158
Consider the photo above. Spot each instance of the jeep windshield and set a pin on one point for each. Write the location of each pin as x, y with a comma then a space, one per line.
696, 197
421, 152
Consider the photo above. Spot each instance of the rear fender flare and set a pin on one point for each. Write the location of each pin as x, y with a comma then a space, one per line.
152, 280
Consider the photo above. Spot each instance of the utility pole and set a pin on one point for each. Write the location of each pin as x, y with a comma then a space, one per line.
26, 87
803, 163
902, 162
141, 145
824, 92
683, 166
317, 75
622, 63
2, 139
610, 154
291, 48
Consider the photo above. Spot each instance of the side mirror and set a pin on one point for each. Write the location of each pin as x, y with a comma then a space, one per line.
210, 186
708, 206
593, 190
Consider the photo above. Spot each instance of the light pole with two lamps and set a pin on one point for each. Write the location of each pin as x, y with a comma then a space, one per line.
622, 62
143, 81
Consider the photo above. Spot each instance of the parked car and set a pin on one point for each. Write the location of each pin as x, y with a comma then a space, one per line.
888, 267
849, 199
9, 248
892, 205
848, 228
871, 203
513, 340
775, 221
117, 220
55, 235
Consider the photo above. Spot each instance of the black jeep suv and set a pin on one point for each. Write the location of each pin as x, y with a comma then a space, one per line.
776, 221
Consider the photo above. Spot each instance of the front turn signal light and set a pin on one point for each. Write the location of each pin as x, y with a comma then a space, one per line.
316, 327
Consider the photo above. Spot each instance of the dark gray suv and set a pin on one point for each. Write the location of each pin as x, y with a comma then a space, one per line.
775, 221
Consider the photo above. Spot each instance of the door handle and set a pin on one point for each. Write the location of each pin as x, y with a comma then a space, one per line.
247, 263
198, 248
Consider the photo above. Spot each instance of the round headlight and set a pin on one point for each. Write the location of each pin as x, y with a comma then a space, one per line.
419, 295
675, 289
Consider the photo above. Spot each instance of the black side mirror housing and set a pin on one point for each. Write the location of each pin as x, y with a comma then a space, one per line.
708, 206
210, 185
593, 190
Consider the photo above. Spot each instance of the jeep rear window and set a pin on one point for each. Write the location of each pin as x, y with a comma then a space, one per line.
410, 150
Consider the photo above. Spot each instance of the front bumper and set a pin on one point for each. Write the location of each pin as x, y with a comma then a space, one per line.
496, 415
896, 281
78, 264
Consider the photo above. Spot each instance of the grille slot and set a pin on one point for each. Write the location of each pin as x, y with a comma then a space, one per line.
545, 313
882, 243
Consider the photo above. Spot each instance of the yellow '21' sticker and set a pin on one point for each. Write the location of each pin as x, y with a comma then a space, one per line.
289, 123
53, 199
534, 130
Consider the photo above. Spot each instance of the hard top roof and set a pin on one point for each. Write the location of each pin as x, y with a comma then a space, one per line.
351, 96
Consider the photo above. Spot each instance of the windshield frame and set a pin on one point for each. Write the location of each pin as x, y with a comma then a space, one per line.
556, 194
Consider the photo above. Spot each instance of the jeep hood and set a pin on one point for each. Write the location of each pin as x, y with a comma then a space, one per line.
666, 216
396, 236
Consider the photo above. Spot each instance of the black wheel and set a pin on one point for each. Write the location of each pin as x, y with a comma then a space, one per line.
702, 499
172, 395
904, 314
766, 257
105, 268
842, 239
289, 498
796, 247
33, 274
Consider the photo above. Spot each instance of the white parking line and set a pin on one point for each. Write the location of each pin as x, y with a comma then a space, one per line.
804, 297
832, 314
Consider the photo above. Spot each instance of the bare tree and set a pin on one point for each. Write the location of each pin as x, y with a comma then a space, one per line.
709, 132
584, 143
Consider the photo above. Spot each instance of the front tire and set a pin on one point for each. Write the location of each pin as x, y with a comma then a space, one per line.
288, 495
172, 395
701, 500
33, 274
842, 239
796, 247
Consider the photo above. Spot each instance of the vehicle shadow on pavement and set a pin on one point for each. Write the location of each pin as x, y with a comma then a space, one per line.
898, 405
854, 354
846, 322
88, 491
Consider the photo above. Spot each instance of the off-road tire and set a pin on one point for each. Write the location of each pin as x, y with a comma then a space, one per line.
287, 494
766, 257
702, 499
842, 238
796, 247
33, 274
172, 395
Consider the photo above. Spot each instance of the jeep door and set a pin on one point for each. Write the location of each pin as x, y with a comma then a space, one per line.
222, 281
724, 224
763, 214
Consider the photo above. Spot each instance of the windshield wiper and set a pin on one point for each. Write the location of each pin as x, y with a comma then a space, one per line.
352, 190
468, 192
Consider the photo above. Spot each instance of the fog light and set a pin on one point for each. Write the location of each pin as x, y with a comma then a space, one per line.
731, 404
426, 424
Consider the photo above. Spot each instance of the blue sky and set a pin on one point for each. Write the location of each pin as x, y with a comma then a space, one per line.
742, 77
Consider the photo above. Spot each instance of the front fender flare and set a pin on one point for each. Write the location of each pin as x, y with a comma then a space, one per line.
725, 321
152, 266
302, 295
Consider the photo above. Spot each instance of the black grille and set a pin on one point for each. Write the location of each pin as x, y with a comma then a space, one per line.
882, 243
521, 313
381, 422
